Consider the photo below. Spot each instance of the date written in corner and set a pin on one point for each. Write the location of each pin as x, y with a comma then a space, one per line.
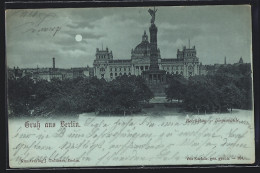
37, 125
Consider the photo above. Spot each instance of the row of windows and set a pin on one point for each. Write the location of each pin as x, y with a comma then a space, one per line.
173, 67
187, 54
142, 67
190, 54
112, 75
121, 69
181, 72
102, 56
120, 74
190, 73
129, 68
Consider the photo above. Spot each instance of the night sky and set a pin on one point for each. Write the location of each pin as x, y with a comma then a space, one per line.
35, 36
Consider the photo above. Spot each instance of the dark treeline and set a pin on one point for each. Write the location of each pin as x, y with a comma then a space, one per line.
230, 86
123, 95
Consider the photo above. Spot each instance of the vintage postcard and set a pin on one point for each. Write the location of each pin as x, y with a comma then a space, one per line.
130, 86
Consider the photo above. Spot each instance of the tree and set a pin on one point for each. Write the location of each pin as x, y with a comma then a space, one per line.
235, 83
230, 96
141, 90
20, 93
177, 87
124, 95
201, 94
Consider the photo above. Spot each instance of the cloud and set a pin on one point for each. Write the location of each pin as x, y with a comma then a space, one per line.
217, 31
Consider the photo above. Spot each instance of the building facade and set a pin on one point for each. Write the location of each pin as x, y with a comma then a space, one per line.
146, 58
186, 62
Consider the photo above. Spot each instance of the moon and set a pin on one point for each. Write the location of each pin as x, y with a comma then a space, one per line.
78, 37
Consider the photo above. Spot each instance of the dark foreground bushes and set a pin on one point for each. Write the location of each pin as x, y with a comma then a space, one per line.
228, 88
120, 96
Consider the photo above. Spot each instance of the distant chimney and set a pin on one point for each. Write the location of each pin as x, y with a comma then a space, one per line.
53, 63
241, 60
225, 62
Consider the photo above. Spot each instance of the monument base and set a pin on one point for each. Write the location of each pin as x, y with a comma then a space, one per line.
154, 76
156, 81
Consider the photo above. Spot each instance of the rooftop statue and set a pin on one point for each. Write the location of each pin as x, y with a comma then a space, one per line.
152, 13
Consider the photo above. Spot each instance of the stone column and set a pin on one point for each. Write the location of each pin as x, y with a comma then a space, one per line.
154, 52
